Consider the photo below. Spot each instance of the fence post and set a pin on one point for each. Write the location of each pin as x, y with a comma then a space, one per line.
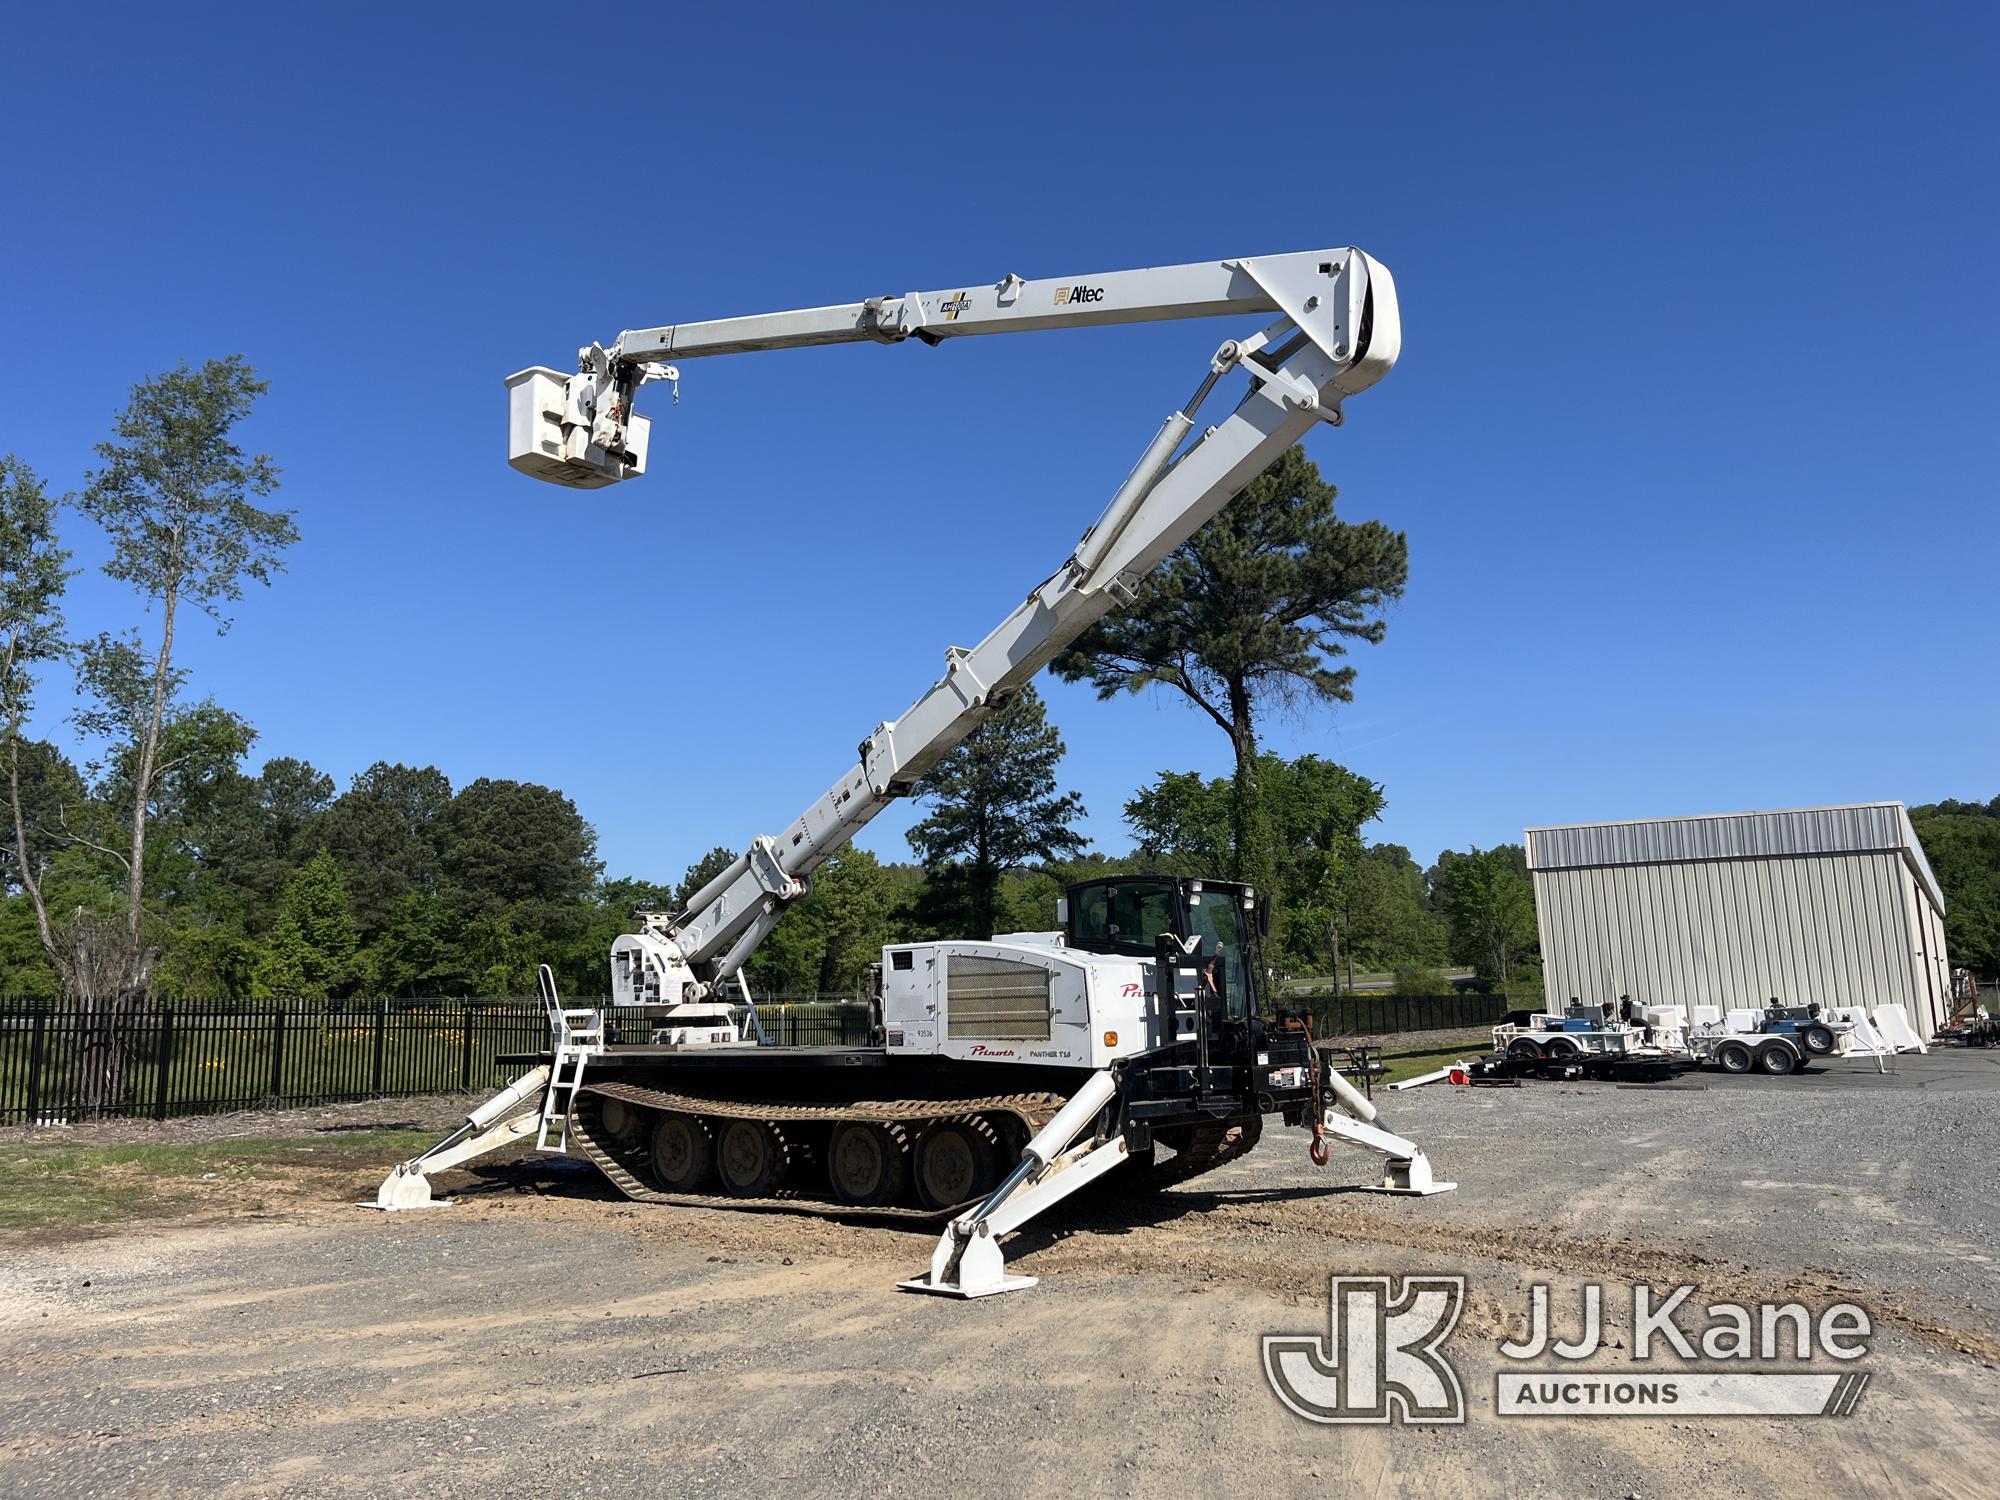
465, 1046
278, 1053
165, 1064
36, 1051
381, 1020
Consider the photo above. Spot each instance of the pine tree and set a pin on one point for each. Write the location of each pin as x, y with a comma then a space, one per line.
1253, 610
994, 807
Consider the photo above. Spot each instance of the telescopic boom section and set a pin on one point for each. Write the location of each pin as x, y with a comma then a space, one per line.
1336, 333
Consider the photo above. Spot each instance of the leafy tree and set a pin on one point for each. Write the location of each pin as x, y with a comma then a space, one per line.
1962, 842
1182, 819
417, 954
175, 501
994, 807
245, 835
1488, 899
33, 576
824, 943
1387, 918
1316, 810
385, 830
512, 841
1254, 611
311, 949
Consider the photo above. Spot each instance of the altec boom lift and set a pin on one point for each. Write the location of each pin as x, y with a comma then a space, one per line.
1014, 1071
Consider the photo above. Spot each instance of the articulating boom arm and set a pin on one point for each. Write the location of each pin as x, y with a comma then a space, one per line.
1337, 332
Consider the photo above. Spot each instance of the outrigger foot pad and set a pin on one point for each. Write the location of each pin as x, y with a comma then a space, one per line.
1409, 1177
405, 1189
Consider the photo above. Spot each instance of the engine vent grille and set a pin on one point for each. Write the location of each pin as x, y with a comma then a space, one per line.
996, 997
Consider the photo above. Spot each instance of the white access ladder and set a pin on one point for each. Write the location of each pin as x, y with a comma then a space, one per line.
578, 1036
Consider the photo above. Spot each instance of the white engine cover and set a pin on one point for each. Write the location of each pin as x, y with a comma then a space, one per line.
1015, 1001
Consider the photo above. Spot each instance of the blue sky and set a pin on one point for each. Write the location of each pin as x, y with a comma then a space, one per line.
1694, 433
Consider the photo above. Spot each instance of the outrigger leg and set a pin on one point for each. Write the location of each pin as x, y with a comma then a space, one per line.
1406, 1169
967, 1261
514, 1112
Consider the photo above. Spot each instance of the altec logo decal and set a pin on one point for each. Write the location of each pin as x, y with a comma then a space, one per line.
952, 307
1067, 295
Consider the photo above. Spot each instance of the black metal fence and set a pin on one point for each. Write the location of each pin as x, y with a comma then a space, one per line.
58, 1063
1385, 1015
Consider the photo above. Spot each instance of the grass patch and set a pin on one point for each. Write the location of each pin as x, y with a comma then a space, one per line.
73, 1186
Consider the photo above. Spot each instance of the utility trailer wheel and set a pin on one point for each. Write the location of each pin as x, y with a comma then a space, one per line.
749, 1158
1562, 1049
955, 1162
683, 1154
867, 1165
1777, 1059
1524, 1049
1734, 1057
1818, 1040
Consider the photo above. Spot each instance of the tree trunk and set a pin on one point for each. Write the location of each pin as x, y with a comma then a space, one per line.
1247, 829
142, 782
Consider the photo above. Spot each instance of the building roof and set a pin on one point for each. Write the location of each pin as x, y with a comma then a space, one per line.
1859, 828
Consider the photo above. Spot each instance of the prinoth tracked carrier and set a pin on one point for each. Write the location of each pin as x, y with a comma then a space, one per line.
1005, 1074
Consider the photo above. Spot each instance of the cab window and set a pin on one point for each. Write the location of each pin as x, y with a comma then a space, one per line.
1123, 918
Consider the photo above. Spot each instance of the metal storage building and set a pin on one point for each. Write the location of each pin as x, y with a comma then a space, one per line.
1834, 904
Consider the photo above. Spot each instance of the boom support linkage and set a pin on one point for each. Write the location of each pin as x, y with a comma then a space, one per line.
1336, 333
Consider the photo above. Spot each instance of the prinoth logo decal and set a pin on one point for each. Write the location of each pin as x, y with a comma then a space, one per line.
1067, 296
953, 306
980, 1049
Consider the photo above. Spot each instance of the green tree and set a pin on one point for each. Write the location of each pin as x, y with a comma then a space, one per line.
994, 807
311, 950
1488, 899
824, 943
33, 576
1962, 842
1387, 918
416, 954
175, 500
513, 841
385, 830
1253, 612
1316, 810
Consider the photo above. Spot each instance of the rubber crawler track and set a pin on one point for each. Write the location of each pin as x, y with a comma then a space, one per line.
1210, 1147
627, 1168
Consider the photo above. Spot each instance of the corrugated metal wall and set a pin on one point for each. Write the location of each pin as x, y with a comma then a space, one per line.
1842, 929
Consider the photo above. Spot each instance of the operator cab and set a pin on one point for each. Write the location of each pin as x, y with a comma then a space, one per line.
1126, 914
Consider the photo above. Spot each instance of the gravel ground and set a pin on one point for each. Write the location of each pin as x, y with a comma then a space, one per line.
545, 1336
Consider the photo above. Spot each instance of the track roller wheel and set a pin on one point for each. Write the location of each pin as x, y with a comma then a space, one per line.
956, 1161
749, 1157
867, 1165
683, 1154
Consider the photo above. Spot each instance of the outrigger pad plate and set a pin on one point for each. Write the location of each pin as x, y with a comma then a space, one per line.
923, 1283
